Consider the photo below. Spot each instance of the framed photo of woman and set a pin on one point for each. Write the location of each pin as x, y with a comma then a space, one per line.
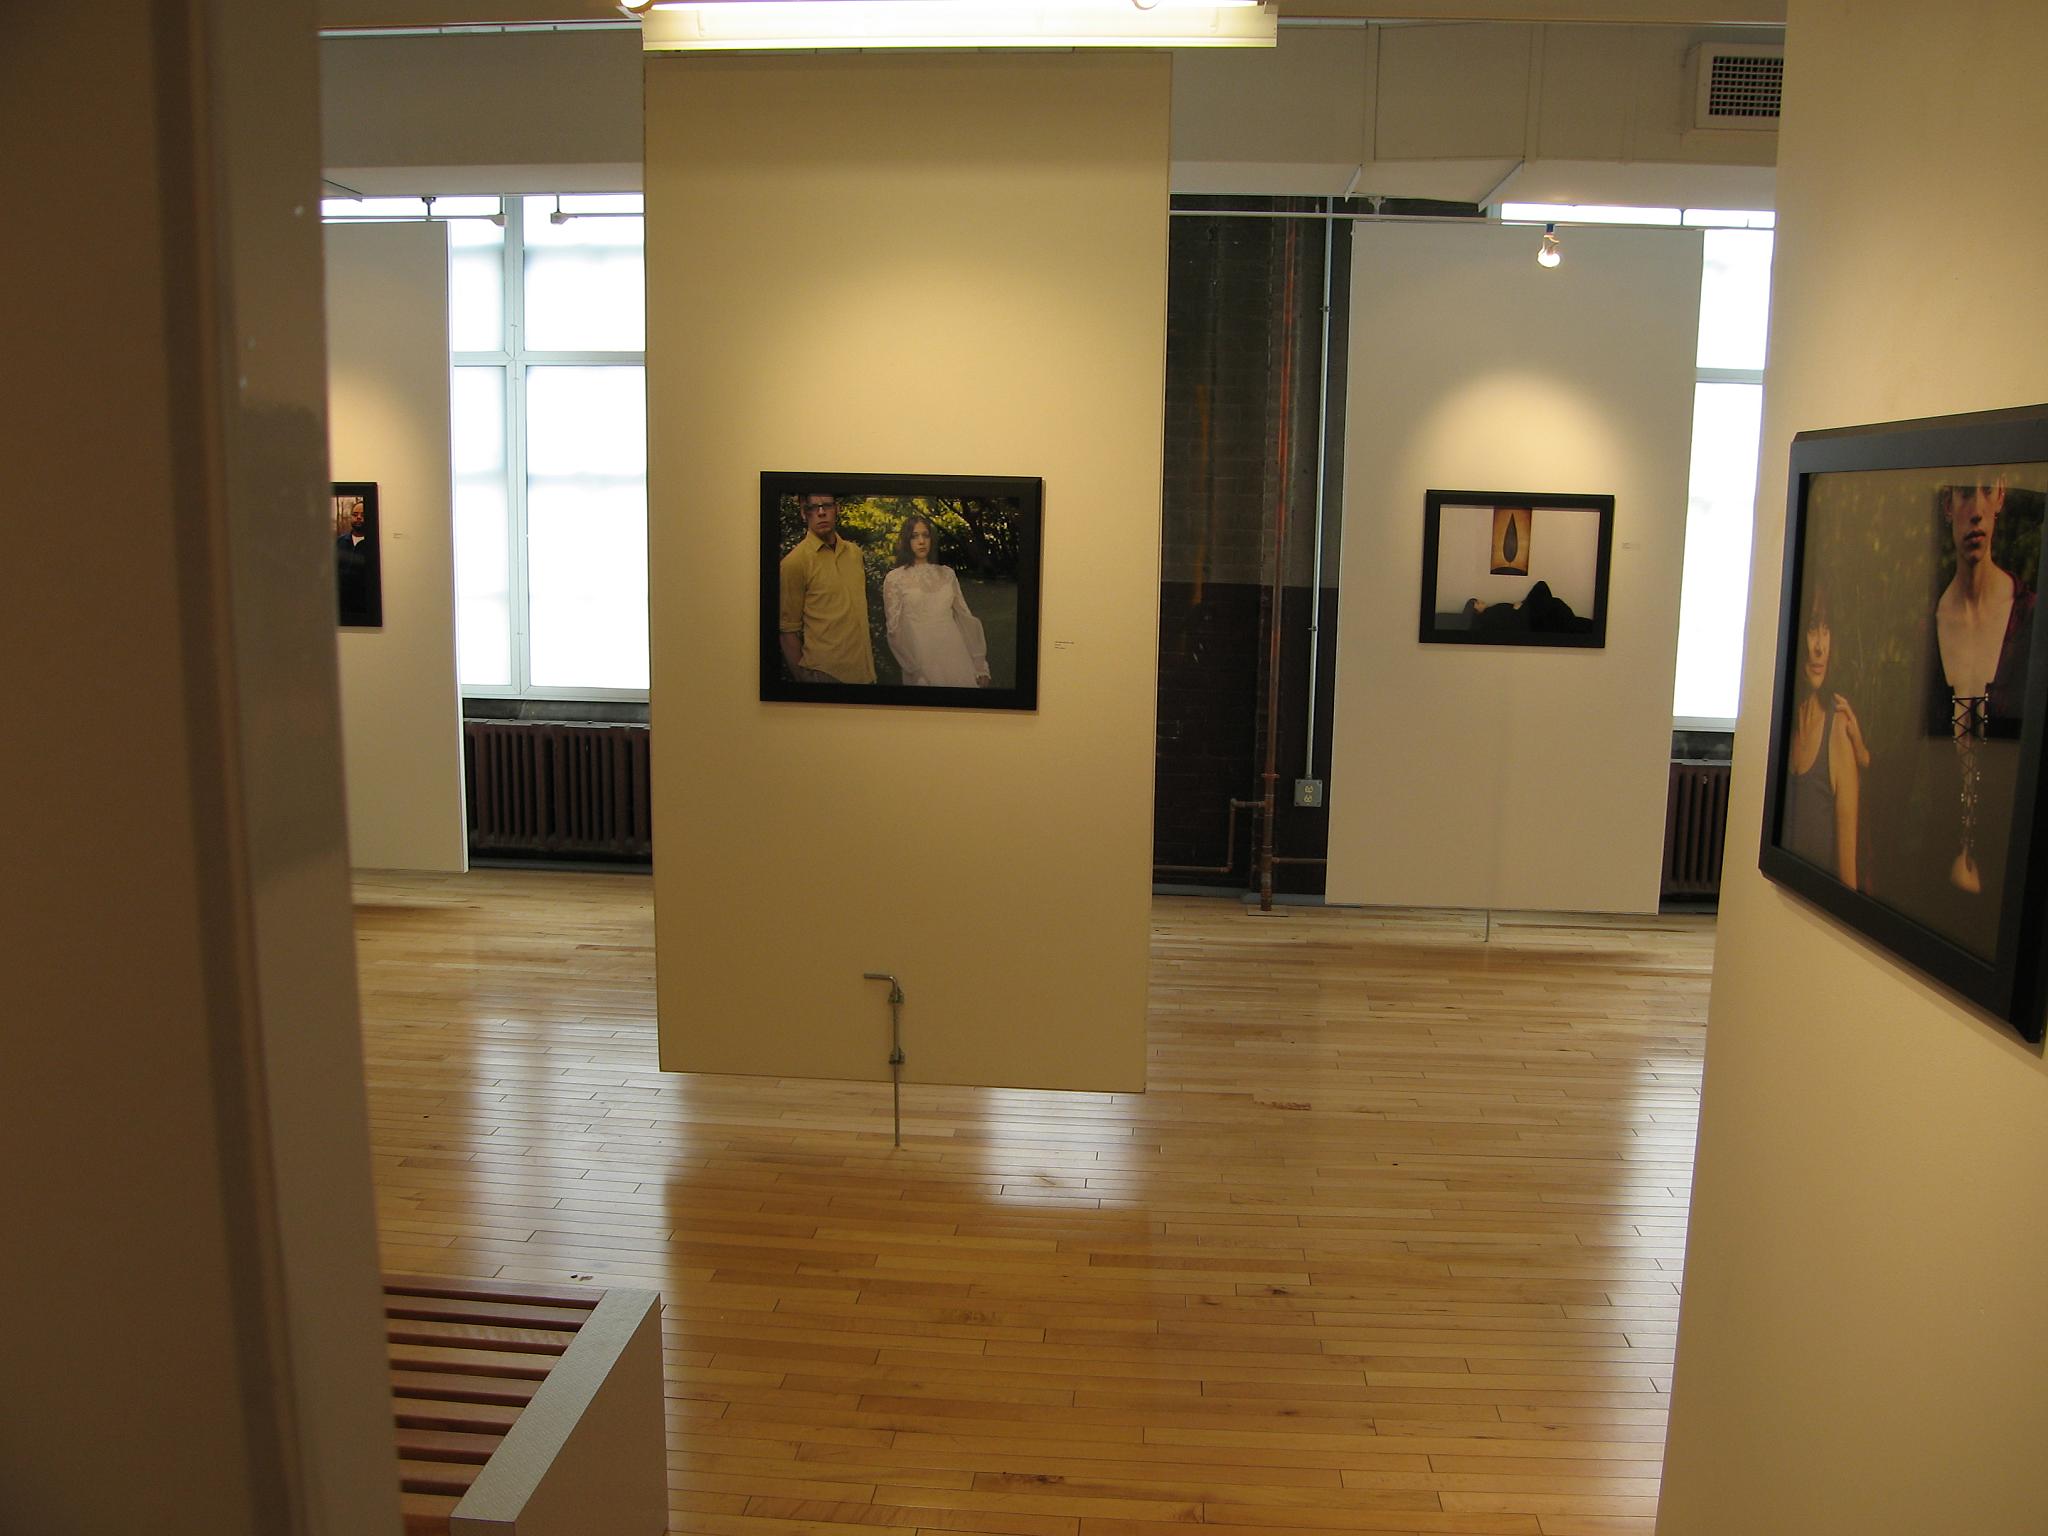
1904, 787
900, 589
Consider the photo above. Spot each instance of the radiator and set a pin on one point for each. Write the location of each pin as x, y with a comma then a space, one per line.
541, 790
1695, 830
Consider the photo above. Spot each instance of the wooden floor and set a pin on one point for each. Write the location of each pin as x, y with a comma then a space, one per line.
1391, 1245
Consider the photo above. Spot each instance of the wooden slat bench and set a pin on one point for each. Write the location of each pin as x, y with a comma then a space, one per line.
526, 1410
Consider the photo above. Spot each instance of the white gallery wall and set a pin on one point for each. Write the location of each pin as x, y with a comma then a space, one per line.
387, 421
1863, 1348
1510, 776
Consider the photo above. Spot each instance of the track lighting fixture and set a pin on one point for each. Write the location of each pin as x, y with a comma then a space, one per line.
752, 26
1549, 254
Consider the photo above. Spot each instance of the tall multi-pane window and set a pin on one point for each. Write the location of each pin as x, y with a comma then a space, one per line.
1727, 415
549, 333
547, 325
1727, 420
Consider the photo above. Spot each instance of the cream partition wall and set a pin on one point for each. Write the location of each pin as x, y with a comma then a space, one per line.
1863, 1348
942, 264
1522, 777
189, 1254
387, 421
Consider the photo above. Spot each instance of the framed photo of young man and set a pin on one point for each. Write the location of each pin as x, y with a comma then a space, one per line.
358, 563
900, 589
1904, 786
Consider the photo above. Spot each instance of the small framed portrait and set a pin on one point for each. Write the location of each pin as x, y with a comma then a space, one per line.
1905, 767
358, 566
900, 589
1515, 568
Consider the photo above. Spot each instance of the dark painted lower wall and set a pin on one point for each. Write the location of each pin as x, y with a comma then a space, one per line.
1212, 660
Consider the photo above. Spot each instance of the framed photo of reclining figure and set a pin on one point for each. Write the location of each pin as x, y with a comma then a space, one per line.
900, 589
1515, 568
1904, 791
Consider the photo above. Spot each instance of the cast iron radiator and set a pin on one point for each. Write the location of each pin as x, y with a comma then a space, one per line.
1695, 830
540, 790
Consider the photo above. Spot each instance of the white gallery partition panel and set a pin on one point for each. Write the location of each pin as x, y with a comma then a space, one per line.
387, 422
1510, 776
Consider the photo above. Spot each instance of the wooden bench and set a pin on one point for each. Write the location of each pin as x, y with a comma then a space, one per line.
526, 1410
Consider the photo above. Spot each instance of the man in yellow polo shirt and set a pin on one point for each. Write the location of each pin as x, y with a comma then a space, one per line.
824, 617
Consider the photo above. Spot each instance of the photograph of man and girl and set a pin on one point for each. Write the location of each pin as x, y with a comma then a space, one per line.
1899, 765
918, 591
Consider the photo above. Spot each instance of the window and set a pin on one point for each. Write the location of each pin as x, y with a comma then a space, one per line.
1727, 421
1735, 307
548, 327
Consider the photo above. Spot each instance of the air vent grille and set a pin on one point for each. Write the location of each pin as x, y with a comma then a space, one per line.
1739, 87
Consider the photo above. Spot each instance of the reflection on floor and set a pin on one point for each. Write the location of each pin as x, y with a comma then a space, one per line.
1392, 1244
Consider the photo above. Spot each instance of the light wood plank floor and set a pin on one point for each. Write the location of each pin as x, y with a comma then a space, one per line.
1392, 1244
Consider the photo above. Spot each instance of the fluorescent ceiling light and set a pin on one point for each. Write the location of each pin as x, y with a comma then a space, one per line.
750, 25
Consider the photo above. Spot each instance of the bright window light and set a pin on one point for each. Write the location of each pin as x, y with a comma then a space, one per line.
385, 210
1585, 213
483, 546
585, 277
1735, 298
476, 286
1720, 509
586, 527
550, 446
1730, 218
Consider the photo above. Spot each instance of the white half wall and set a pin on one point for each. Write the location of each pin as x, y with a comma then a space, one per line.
387, 421
1863, 1349
1509, 776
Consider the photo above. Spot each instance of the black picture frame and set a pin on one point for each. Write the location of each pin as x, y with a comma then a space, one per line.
1516, 568
1883, 524
988, 539
358, 558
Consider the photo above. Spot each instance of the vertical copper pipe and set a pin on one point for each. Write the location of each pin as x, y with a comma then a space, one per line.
1280, 453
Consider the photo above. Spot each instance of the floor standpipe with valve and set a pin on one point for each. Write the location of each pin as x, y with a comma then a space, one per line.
895, 1046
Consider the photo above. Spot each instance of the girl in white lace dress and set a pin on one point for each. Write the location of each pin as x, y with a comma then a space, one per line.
936, 638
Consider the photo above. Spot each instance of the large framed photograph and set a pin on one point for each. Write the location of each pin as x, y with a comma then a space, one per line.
1515, 568
900, 589
1904, 784
358, 566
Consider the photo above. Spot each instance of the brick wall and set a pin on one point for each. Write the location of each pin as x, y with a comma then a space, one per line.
1225, 479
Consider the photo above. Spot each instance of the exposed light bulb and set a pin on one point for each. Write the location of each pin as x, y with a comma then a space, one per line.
1549, 255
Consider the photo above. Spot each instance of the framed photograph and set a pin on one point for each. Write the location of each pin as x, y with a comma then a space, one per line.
900, 589
1905, 762
1515, 568
358, 568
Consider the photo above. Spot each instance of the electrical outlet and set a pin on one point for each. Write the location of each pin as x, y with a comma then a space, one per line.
1309, 792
